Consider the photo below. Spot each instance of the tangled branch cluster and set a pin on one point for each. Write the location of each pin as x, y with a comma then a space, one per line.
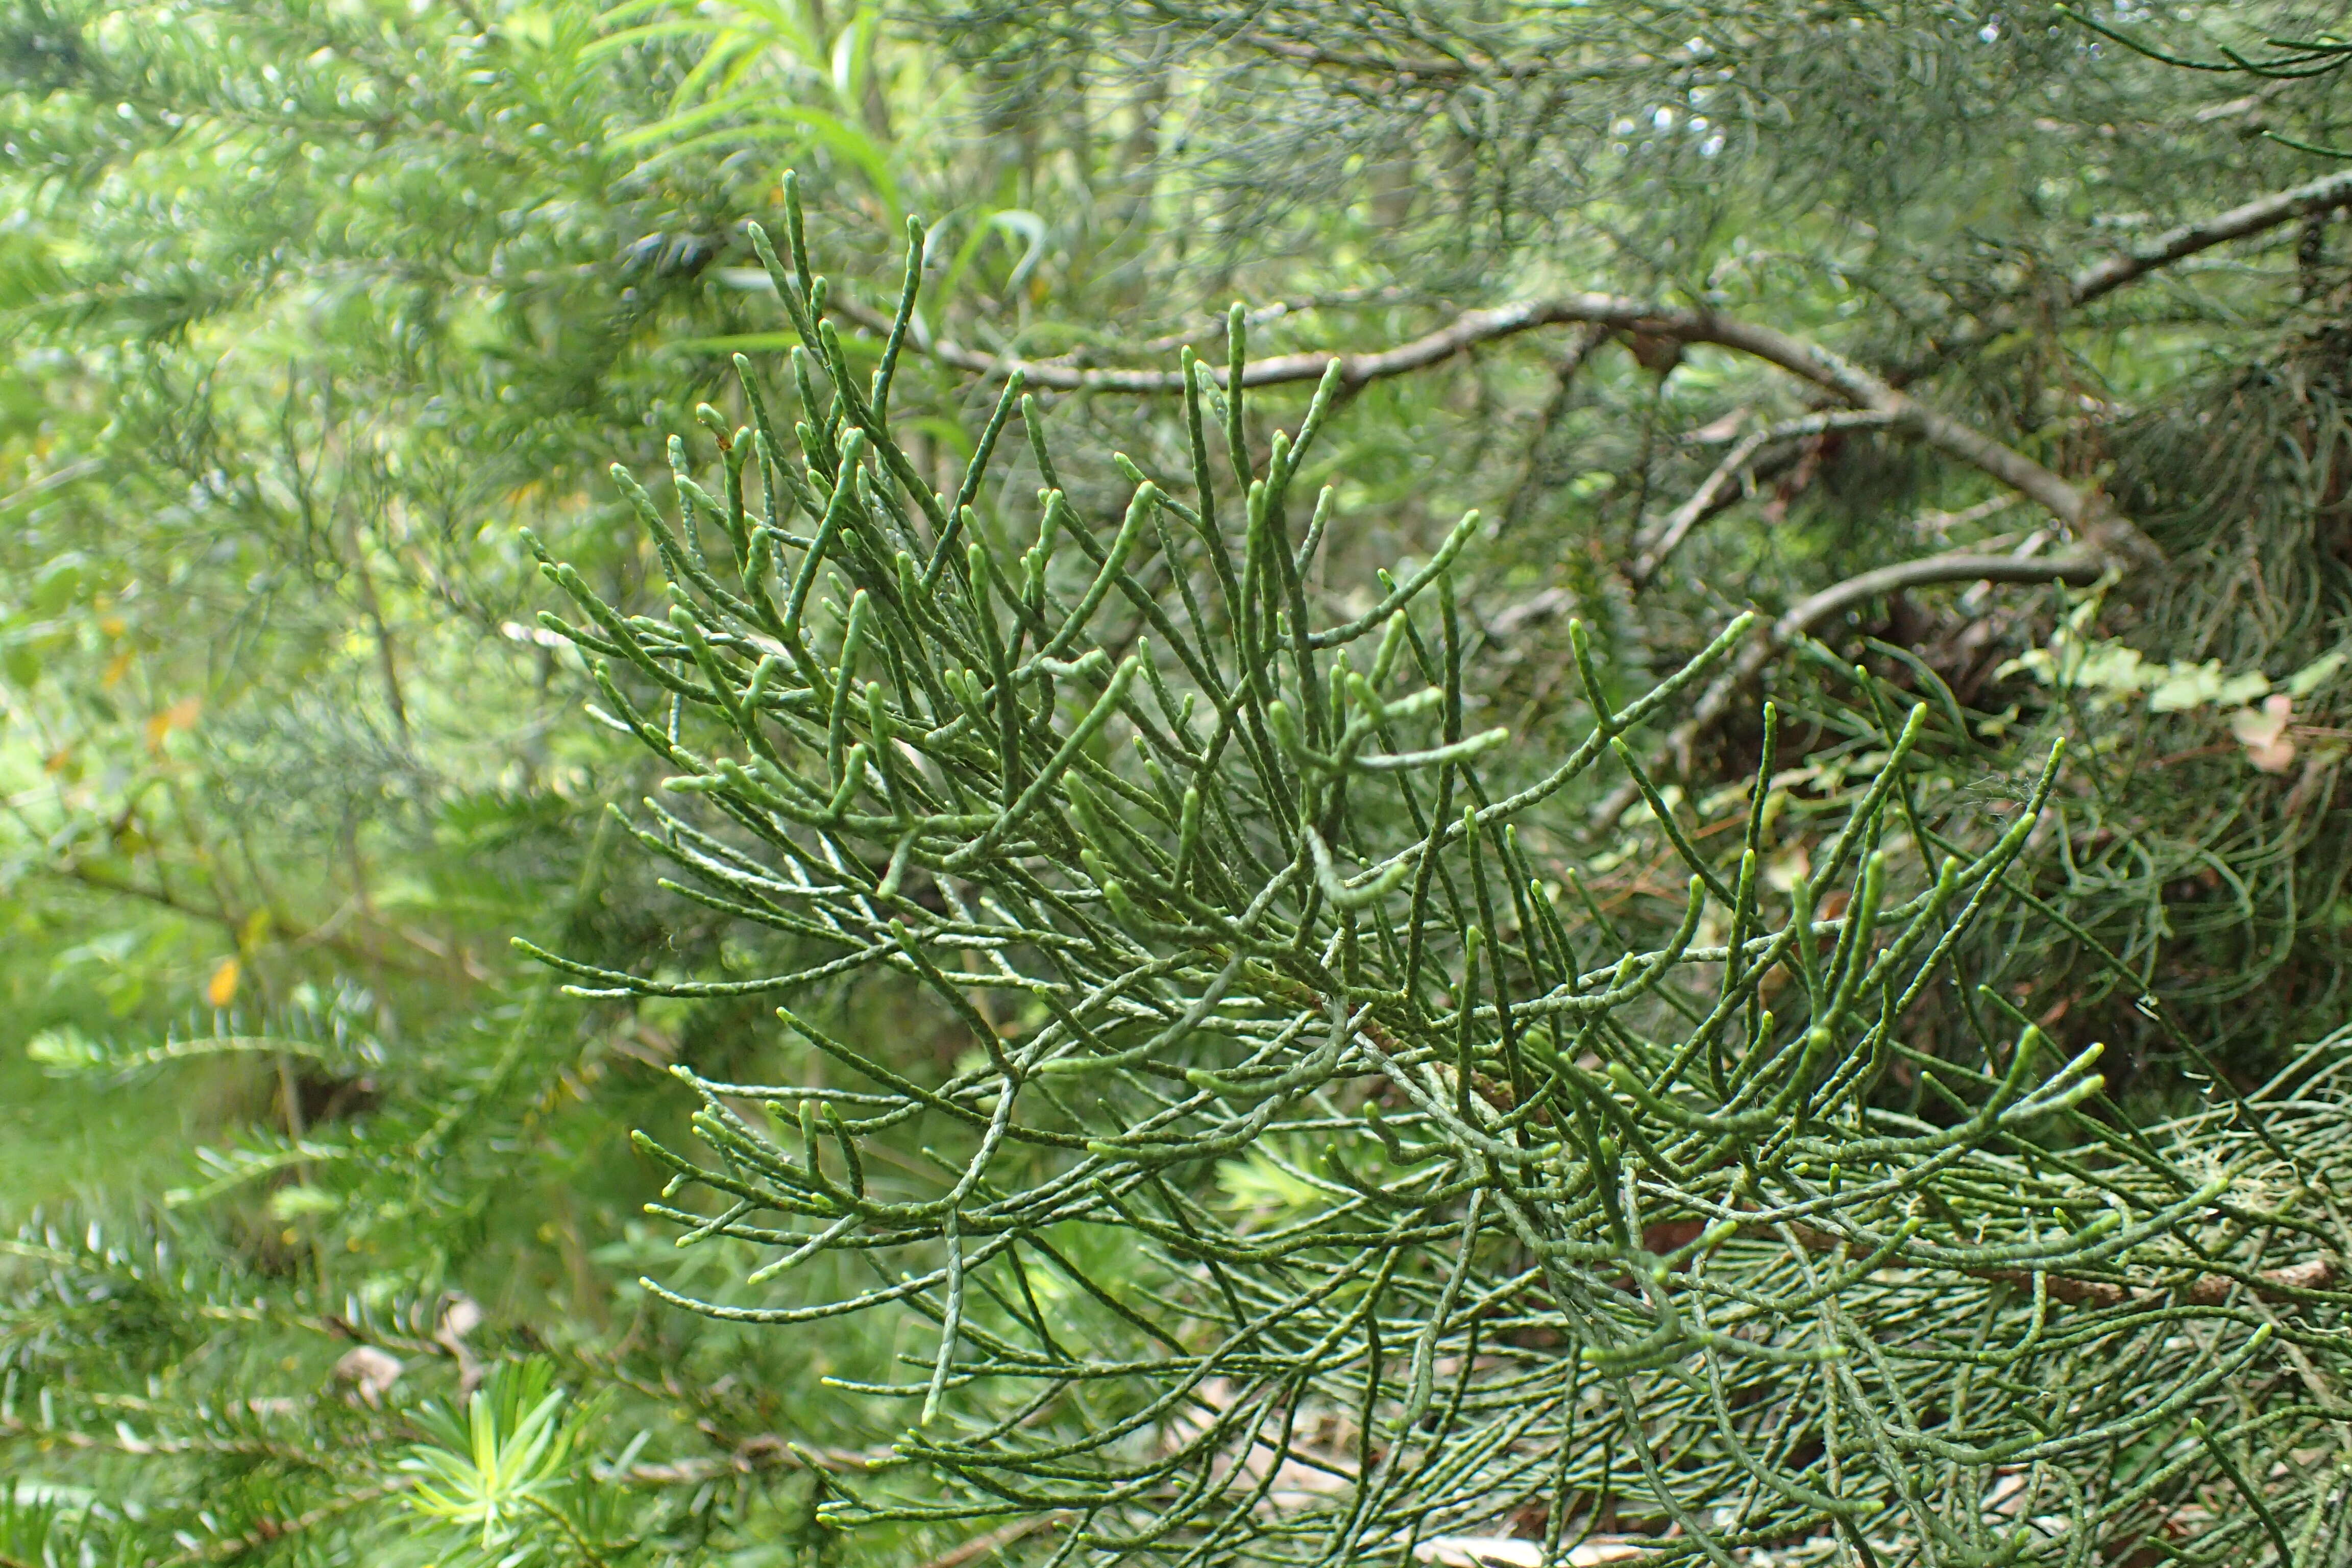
1675, 1238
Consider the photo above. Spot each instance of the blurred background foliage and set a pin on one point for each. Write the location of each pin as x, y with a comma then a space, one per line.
312, 304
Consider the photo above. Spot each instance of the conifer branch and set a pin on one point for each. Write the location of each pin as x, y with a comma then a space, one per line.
2083, 511
2329, 193
1264, 906
271, 1532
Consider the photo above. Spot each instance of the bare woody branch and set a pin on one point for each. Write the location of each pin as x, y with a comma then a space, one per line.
1472, 328
985, 1545
1731, 474
2277, 1285
2284, 1285
2076, 568
2326, 194
2333, 191
2204, 1290
2083, 510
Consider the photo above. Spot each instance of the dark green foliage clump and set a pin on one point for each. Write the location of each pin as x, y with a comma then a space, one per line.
1317, 1184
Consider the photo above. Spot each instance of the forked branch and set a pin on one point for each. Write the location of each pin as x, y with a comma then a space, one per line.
2076, 568
1730, 474
2083, 510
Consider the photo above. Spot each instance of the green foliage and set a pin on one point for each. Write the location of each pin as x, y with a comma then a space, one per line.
310, 305
498, 1473
1314, 1188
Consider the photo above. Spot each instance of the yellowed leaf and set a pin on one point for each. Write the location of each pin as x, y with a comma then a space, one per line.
180, 715
221, 989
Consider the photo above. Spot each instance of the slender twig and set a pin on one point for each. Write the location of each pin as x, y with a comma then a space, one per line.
981, 1546
1732, 470
52, 480
1880, 396
270, 1532
2075, 569
2083, 509
2326, 194
97, 881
